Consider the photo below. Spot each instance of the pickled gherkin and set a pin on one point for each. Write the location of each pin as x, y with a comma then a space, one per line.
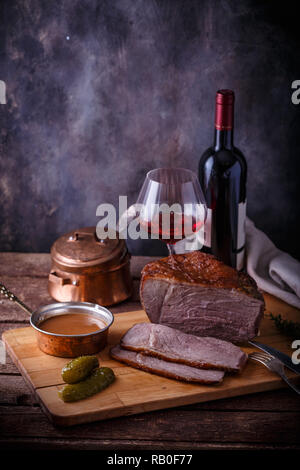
79, 368
97, 381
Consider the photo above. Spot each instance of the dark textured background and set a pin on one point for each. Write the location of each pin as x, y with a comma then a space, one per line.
132, 89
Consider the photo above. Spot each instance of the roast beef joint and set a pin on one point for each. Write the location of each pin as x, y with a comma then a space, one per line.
199, 295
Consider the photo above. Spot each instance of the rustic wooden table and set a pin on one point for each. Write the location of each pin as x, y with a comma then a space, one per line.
259, 421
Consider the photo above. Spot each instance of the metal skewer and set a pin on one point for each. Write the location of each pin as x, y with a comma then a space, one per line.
10, 296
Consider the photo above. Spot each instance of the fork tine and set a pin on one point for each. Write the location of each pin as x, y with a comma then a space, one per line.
263, 355
260, 360
256, 356
260, 357
274, 365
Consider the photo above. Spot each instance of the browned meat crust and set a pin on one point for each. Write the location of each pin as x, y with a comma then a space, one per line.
202, 269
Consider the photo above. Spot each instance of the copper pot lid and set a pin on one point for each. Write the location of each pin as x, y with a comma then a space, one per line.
82, 248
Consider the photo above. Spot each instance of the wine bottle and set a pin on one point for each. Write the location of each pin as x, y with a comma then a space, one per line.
223, 175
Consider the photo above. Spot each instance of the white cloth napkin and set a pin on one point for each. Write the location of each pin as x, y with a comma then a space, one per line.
274, 271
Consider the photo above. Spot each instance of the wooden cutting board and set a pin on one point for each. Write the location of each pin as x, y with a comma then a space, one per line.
133, 391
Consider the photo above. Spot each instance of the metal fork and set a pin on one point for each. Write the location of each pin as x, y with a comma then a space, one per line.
274, 365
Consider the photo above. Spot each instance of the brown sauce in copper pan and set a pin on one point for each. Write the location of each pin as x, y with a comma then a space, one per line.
72, 324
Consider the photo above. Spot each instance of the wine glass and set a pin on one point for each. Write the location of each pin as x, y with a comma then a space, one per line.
171, 205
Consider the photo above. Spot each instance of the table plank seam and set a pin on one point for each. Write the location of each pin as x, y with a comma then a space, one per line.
159, 441
179, 408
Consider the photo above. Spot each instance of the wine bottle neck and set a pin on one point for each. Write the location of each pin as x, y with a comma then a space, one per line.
224, 119
223, 139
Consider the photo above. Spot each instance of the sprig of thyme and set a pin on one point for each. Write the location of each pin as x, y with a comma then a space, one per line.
286, 327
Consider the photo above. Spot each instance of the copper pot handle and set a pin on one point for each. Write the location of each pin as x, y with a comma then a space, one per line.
54, 277
76, 235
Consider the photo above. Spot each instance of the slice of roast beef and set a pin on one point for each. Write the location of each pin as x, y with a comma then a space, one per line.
200, 295
166, 369
173, 345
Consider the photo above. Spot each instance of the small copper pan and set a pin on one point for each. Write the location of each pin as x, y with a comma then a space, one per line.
66, 345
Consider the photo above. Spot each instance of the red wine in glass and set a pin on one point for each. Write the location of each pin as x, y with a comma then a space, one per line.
167, 188
180, 226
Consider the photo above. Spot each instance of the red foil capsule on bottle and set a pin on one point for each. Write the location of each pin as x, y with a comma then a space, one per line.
224, 110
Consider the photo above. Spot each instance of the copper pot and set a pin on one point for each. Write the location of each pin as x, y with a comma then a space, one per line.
71, 345
87, 269
63, 345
